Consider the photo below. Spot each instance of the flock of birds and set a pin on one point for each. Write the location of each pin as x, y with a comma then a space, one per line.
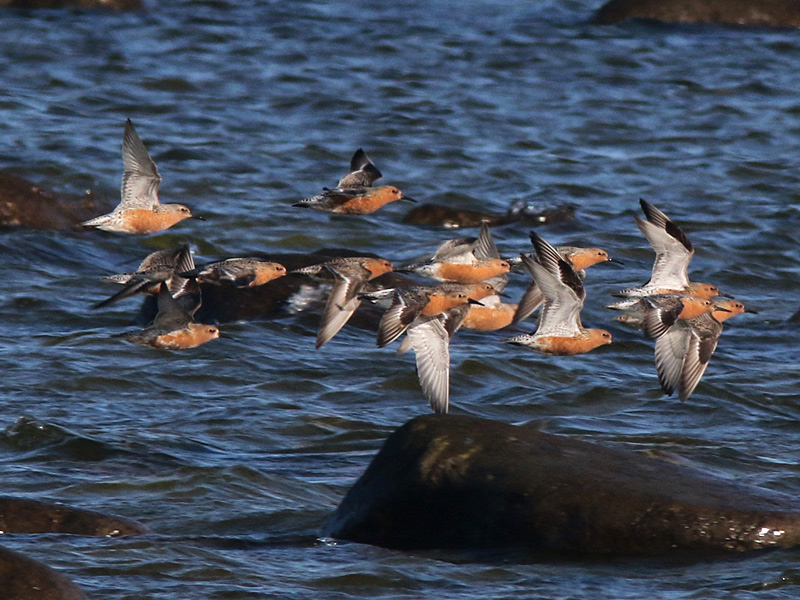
684, 318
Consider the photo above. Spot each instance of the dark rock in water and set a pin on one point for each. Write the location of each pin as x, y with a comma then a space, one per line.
445, 216
21, 515
760, 13
74, 4
23, 204
463, 482
22, 578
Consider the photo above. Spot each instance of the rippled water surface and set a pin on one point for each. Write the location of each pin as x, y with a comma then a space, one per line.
235, 453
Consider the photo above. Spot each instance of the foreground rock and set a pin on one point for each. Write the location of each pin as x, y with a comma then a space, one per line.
463, 482
22, 578
760, 13
24, 204
22, 515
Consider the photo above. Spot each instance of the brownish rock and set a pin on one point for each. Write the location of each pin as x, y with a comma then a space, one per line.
463, 482
761, 13
446, 216
23, 204
22, 578
22, 515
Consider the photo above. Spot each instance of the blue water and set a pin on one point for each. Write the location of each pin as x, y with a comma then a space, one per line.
235, 453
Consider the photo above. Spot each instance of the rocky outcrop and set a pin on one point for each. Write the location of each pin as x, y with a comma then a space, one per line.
445, 216
464, 482
22, 578
23, 204
759, 13
22, 515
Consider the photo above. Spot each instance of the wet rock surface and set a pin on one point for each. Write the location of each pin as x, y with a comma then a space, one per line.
760, 13
23, 515
448, 481
23, 578
25, 204
437, 215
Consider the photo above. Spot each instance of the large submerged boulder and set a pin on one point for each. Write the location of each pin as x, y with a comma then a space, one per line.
760, 13
448, 481
24, 204
23, 515
22, 578
437, 215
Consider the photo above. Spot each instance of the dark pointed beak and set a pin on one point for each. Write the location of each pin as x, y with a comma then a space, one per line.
720, 309
751, 311
725, 295
502, 294
471, 301
200, 217
615, 261
408, 198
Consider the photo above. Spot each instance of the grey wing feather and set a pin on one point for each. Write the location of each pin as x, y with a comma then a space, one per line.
397, 318
670, 268
701, 347
342, 303
363, 172
660, 315
562, 306
530, 301
171, 315
431, 342
457, 250
161, 259
140, 180
485, 247
670, 354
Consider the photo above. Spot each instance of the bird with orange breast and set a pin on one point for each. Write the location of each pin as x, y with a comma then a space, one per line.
463, 260
349, 277
241, 272
560, 331
410, 304
662, 311
674, 251
173, 328
160, 266
579, 259
685, 349
354, 194
140, 210
490, 315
